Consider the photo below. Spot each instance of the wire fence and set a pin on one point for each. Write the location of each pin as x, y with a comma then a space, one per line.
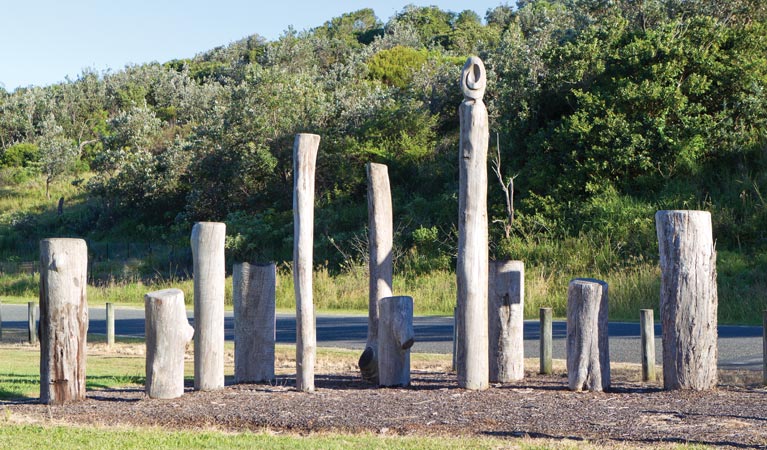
112, 260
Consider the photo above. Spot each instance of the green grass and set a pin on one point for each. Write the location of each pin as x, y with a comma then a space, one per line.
31, 436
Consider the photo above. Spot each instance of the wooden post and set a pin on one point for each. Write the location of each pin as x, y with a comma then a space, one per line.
455, 339
209, 277
167, 333
110, 313
546, 341
395, 337
647, 326
32, 322
63, 320
588, 354
764, 347
688, 299
254, 297
380, 242
506, 293
472, 265
305, 149
1, 320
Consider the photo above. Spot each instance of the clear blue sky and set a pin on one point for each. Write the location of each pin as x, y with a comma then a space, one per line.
43, 41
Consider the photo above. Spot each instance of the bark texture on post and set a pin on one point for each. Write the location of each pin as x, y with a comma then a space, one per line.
254, 297
380, 242
63, 320
167, 334
395, 337
647, 326
472, 265
588, 354
547, 345
32, 322
506, 293
305, 149
110, 317
688, 299
209, 278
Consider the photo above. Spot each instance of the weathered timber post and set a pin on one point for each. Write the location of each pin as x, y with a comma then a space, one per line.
110, 313
209, 278
380, 242
455, 339
764, 347
305, 149
254, 297
472, 265
395, 337
1, 320
506, 293
647, 326
688, 299
588, 354
32, 322
167, 334
63, 320
546, 344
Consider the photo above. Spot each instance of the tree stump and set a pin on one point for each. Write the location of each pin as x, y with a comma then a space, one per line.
472, 264
167, 334
63, 320
305, 149
688, 299
588, 353
395, 337
254, 297
209, 278
380, 242
506, 293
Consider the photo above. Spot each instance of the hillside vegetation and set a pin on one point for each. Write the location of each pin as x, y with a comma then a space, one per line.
601, 113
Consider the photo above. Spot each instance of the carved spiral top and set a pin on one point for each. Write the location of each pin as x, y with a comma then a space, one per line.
473, 79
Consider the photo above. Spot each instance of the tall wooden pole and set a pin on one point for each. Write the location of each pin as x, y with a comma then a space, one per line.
63, 320
506, 321
209, 278
546, 342
764, 347
254, 296
647, 327
380, 242
688, 299
472, 265
305, 149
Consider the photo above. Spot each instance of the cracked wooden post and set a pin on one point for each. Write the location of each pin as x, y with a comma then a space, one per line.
380, 242
472, 264
305, 149
32, 323
546, 338
63, 320
254, 297
110, 317
588, 353
395, 337
647, 327
209, 277
688, 299
167, 332
506, 293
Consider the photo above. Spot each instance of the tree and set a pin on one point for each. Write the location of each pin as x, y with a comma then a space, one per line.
57, 152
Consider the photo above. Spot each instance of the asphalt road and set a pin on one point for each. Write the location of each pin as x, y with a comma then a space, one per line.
739, 346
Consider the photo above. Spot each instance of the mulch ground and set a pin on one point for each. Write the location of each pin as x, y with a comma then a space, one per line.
539, 406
